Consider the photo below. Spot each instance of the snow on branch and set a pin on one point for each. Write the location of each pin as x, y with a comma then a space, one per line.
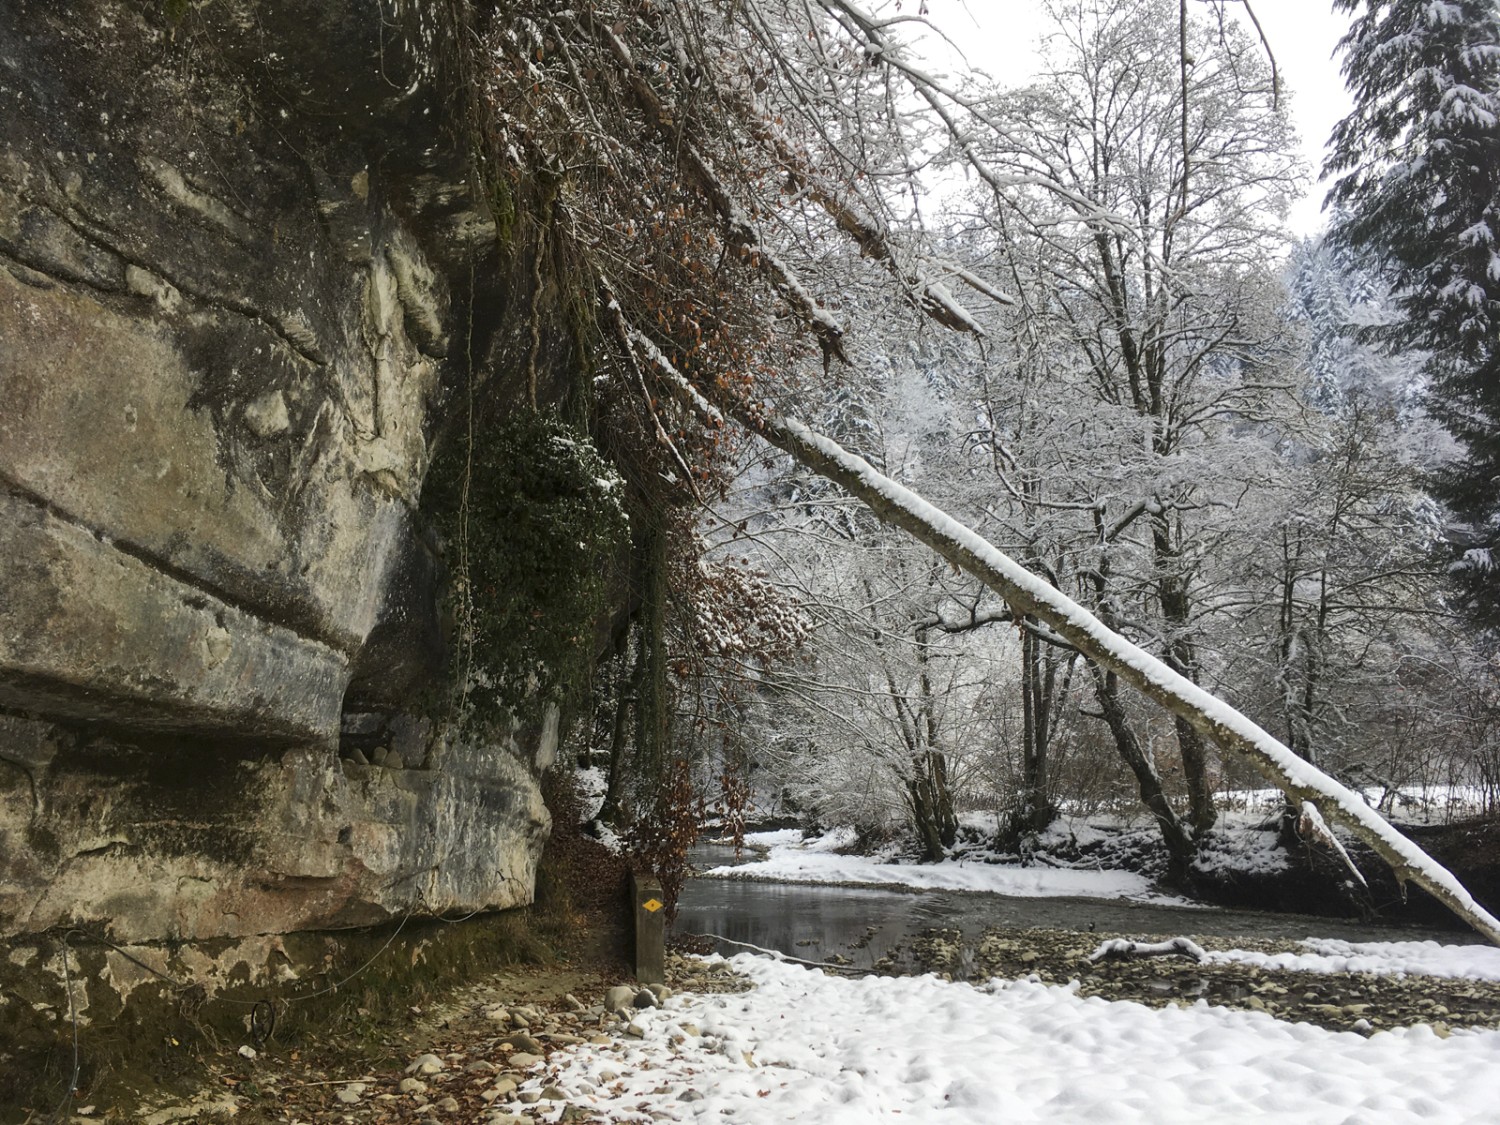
1312, 826
942, 101
871, 233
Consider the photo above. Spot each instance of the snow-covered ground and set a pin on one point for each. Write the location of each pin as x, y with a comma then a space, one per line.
792, 859
1398, 958
806, 1047
1408, 804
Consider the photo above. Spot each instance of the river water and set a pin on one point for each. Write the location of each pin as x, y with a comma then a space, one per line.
814, 922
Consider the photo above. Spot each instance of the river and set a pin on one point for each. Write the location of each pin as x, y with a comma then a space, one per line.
863, 925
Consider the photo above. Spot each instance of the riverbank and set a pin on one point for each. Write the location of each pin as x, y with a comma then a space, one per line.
762, 1042
537, 1043
1291, 981
1242, 863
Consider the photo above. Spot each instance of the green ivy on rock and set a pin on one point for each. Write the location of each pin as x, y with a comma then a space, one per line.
532, 543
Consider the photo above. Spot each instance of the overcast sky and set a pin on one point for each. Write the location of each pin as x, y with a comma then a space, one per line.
1000, 37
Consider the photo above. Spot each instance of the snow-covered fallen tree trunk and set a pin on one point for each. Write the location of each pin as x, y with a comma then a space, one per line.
1028, 594
1120, 949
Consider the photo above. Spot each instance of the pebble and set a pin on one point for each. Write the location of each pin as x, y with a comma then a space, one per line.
619, 998
523, 1059
425, 1064
505, 1084
690, 1096
412, 1086
352, 1093
636, 1031
522, 1042
448, 1105
554, 1094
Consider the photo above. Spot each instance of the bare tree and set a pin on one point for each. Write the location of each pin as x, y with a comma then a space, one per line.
631, 173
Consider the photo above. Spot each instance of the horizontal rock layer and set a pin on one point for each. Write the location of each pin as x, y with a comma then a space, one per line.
235, 251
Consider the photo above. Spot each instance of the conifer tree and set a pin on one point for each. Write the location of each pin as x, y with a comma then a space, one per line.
1418, 187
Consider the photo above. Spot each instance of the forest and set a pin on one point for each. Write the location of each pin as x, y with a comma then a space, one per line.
1069, 318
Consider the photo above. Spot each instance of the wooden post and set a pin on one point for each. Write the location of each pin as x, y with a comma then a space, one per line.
650, 929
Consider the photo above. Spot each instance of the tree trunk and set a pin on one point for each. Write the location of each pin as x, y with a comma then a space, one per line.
652, 707
1180, 849
932, 806
1034, 810
1182, 657
612, 810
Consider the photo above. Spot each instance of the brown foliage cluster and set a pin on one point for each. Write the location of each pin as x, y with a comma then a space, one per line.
578, 875
659, 840
742, 616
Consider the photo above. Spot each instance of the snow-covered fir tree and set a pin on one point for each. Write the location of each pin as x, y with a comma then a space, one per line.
1417, 167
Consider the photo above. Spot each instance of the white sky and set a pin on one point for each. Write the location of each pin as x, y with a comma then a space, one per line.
1000, 37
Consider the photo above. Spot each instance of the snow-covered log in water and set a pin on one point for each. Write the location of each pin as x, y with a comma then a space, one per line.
1123, 949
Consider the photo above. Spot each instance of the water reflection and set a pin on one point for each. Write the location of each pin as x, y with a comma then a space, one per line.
815, 922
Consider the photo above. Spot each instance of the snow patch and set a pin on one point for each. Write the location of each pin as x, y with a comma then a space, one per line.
805, 1047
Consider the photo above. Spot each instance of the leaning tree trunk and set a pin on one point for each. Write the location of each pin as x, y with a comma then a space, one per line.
1180, 848
1026, 593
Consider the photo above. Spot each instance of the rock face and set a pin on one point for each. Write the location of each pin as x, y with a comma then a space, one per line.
237, 256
